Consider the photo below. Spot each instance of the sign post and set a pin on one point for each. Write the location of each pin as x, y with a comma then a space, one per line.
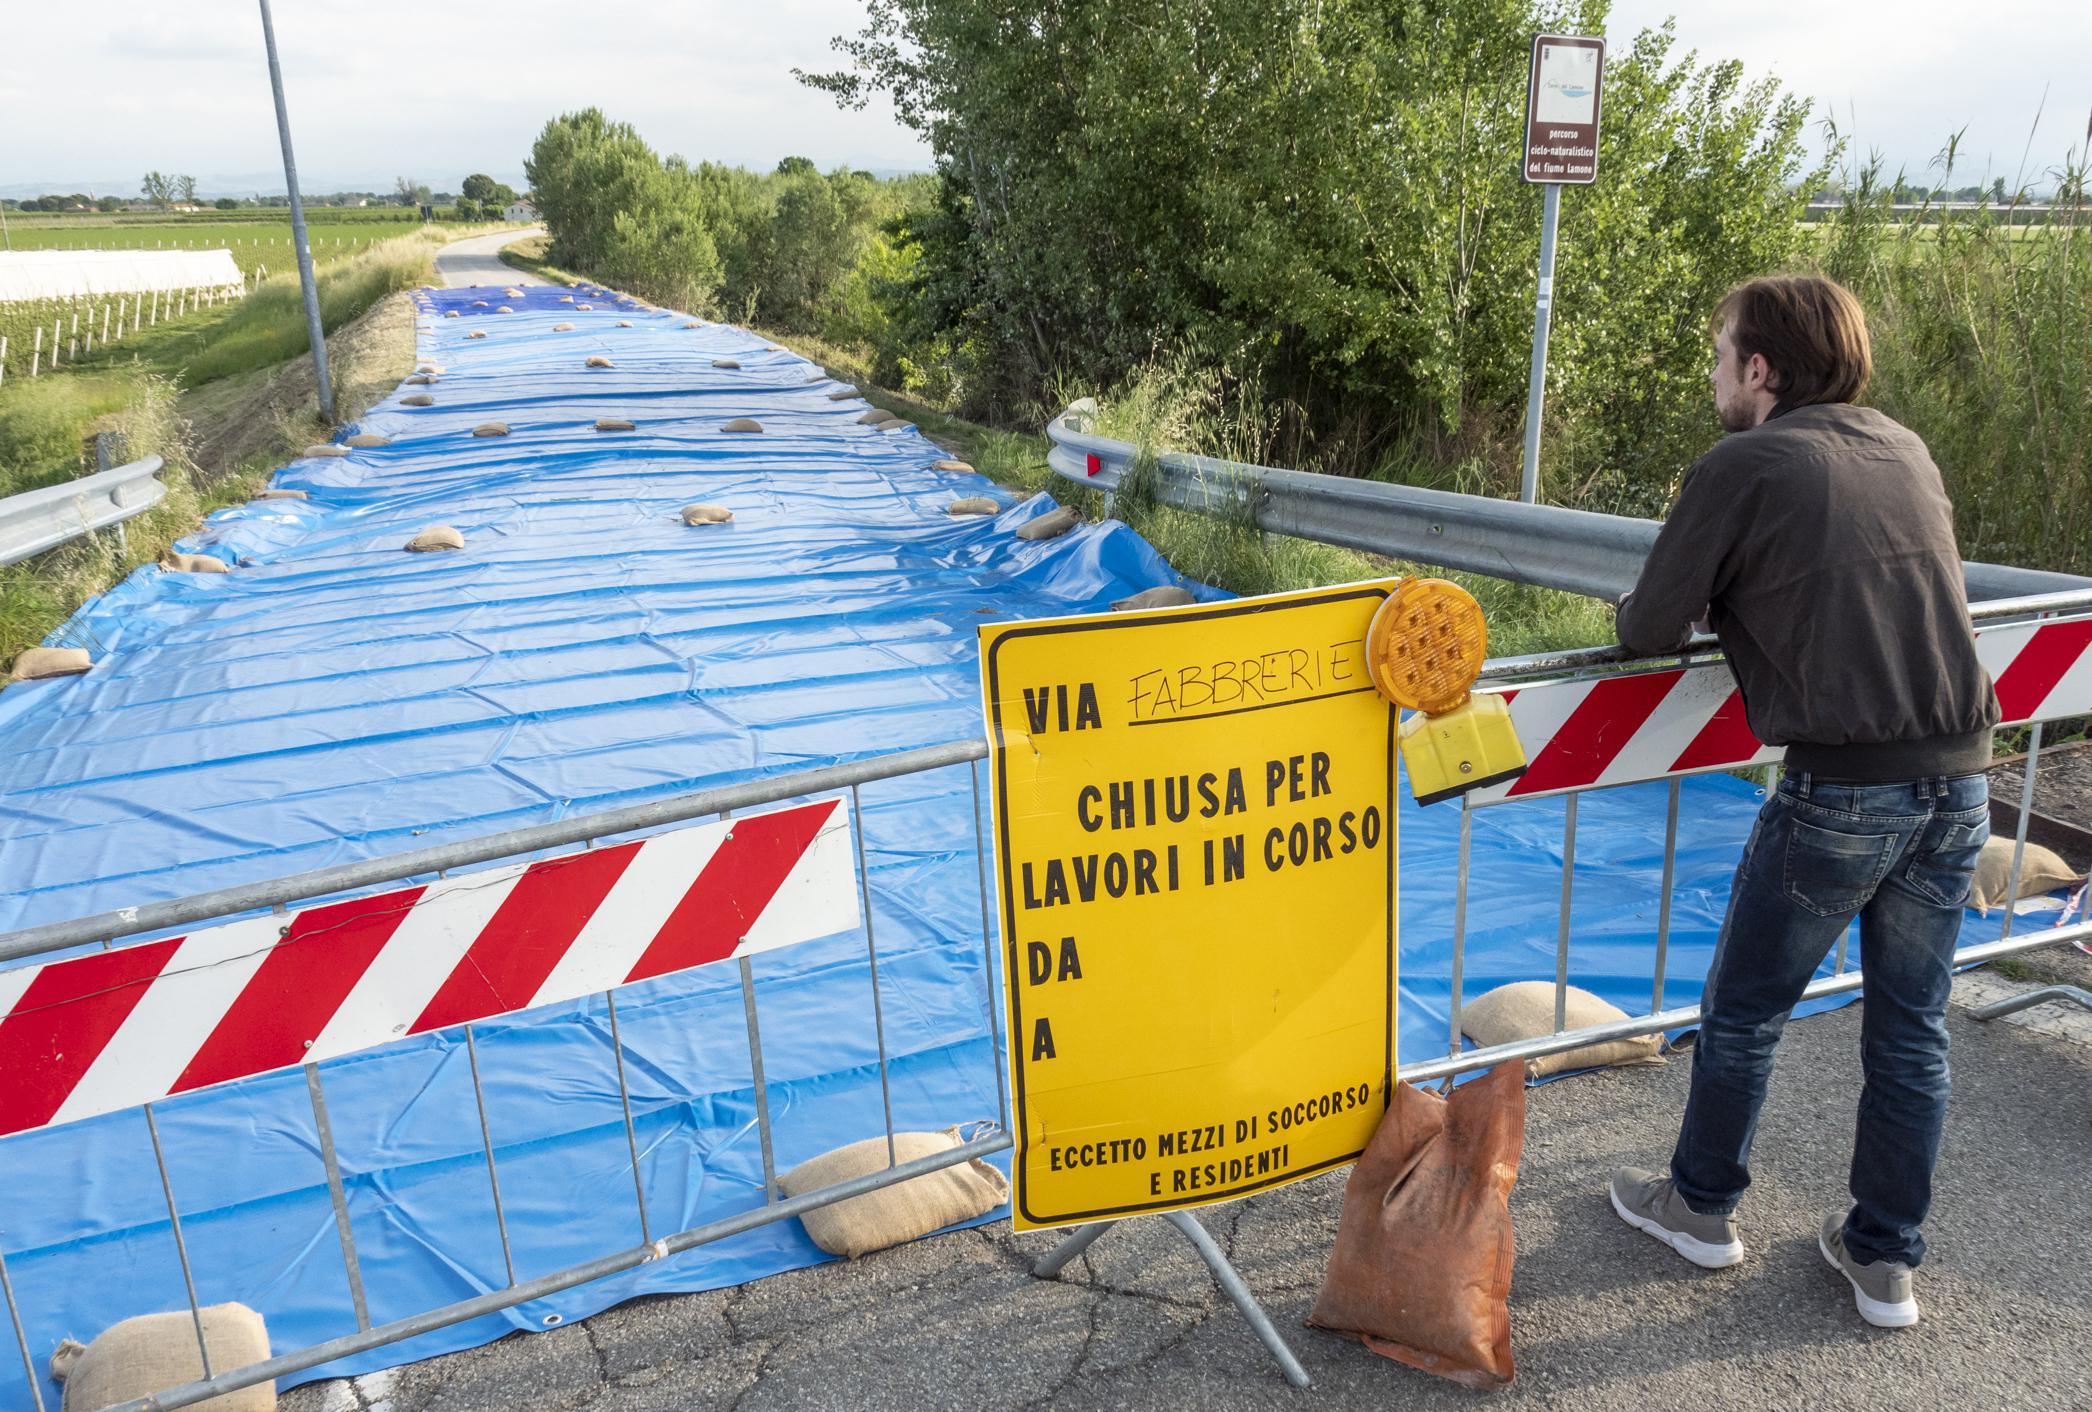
1561, 147
1195, 832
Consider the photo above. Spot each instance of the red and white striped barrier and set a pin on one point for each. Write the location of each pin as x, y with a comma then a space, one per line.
1649, 725
106, 1031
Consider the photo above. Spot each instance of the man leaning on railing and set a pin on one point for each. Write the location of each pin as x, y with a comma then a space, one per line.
1818, 542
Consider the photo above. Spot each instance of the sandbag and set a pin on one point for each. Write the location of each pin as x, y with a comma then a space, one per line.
614, 424
1051, 525
741, 424
1525, 1010
1421, 1268
37, 663
435, 537
428, 367
876, 416
281, 494
477, 333
365, 439
691, 324
175, 563
973, 505
1162, 596
597, 360
566, 298
562, 328
897, 424
584, 306
479, 303
513, 293
417, 399
624, 323
2040, 870
842, 394
504, 309
422, 380
896, 1214
154, 1352
323, 450
956, 467
702, 514
726, 363
491, 429
450, 313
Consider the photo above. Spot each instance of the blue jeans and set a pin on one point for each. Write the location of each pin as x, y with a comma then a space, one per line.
1900, 857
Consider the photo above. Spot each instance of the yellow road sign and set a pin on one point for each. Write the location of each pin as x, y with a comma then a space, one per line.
1195, 827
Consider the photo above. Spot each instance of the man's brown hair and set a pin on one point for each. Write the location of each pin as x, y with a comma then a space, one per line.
1811, 331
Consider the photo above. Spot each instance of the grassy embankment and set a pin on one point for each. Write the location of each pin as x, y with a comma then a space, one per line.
232, 375
1158, 413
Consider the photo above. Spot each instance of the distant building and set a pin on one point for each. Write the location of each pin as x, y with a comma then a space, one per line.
521, 212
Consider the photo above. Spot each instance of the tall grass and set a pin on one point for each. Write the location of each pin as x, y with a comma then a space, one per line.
1983, 346
44, 424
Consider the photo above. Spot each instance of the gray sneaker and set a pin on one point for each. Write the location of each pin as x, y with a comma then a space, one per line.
1882, 1290
1648, 1202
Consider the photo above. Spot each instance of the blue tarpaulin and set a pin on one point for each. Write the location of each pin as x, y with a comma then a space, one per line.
336, 698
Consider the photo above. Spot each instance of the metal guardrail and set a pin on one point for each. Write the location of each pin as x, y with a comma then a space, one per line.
37, 520
1575, 550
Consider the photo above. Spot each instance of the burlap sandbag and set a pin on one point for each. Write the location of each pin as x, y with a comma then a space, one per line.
729, 363
842, 394
597, 360
36, 663
434, 538
281, 494
364, 440
704, 514
450, 313
624, 323
876, 416
741, 424
614, 424
2040, 871
177, 563
1051, 525
562, 328
154, 1352
955, 467
1421, 1269
1165, 596
504, 309
323, 451
896, 1214
491, 429
477, 333
973, 505
1525, 1010
418, 399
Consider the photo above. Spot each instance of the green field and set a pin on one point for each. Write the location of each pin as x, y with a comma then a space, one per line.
257, 239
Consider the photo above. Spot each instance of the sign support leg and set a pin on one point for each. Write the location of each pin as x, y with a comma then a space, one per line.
1543, 315
1224, 1274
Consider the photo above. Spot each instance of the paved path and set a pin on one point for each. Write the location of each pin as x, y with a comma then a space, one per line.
478, 260
1603, 1319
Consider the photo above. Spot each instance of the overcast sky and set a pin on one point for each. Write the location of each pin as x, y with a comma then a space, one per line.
95, 92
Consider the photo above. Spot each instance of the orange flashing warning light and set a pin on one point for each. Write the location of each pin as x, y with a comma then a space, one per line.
1424, 648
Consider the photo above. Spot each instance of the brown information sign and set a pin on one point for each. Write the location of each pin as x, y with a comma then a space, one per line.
1561, 109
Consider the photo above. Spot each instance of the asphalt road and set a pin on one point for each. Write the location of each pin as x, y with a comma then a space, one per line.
463, 263
1603, 1319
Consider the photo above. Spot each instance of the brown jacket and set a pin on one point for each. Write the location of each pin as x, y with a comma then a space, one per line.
1821, 546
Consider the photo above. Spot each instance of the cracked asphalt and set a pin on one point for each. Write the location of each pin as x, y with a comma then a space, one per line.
1602, 1317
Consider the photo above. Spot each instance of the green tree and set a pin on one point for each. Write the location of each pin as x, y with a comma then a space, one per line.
158, 188
797, 166
585, 169
478, 187
659, 244
226, 203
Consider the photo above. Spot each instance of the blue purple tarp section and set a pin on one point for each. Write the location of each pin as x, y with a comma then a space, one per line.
336, 698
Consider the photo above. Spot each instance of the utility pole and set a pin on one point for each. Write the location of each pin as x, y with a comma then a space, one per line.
305, 278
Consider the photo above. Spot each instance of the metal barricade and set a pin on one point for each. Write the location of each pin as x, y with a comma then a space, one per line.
729, 802
1597, 664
